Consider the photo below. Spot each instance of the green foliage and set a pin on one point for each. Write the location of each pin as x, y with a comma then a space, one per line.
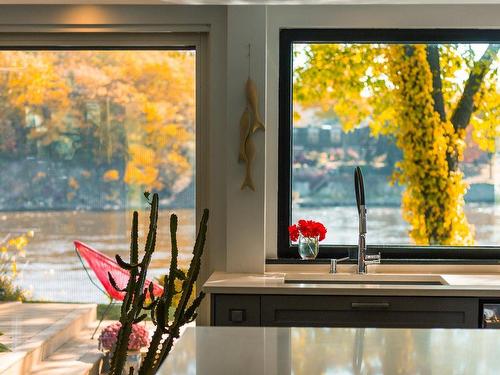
11, 248
3, 348
112, 313
11, 292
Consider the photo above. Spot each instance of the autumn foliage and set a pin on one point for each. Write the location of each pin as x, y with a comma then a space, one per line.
425, 96
129, 113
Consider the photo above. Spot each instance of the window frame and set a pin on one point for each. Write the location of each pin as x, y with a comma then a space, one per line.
389, 253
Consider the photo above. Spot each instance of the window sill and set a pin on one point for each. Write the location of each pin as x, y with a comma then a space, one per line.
294, 261
390, 266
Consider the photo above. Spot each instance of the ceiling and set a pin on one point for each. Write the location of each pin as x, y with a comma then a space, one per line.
247, 2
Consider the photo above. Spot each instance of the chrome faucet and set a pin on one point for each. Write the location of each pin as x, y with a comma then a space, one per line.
363, 258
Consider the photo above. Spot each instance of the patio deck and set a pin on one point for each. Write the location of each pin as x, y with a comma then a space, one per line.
48, 338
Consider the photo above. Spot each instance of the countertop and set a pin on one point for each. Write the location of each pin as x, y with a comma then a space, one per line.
463, 285
242, 351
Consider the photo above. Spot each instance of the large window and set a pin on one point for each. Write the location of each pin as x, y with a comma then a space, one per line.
84, 132
419, 111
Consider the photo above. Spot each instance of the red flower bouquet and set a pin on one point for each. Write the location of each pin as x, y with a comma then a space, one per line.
307, 228
308, 233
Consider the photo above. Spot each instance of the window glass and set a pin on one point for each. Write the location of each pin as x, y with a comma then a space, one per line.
83, 134
422, 121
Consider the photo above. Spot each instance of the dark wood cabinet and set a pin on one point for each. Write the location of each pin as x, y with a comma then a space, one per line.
235, 310
344, 311
351, 311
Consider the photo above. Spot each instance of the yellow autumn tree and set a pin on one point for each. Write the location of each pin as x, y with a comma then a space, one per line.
413, 93
131, 108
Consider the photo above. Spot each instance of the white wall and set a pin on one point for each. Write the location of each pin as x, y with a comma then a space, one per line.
245, 220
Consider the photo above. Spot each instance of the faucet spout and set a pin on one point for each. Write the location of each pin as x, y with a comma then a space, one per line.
359, 188
363, 258
362, 240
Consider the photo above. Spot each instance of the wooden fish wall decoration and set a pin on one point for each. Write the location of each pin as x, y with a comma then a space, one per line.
250, 122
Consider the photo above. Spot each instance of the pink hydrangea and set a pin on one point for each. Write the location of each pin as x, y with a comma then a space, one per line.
139, 338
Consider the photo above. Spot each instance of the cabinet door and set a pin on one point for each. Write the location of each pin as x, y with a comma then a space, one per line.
235, 310
362, 311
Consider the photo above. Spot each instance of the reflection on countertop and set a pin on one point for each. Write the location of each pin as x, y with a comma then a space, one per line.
238, 350
482, 285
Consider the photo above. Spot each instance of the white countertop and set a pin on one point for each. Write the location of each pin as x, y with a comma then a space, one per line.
245, 351
273, 283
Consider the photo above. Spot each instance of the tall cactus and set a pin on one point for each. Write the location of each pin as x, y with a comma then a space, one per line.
134, 302
135, 294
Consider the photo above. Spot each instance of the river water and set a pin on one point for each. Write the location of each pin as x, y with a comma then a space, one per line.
386, 226
52, 271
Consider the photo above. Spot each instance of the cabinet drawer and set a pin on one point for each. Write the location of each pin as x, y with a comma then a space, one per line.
353, 311
235, 310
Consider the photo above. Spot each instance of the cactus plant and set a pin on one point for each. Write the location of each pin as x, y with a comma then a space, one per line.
134, 303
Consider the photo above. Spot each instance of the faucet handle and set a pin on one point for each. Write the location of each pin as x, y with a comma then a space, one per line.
373, 258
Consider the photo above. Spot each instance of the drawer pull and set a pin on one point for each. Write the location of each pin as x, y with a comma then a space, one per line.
370, 305
237, 316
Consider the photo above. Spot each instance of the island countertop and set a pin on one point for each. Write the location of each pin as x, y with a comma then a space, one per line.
462, 285
257, 350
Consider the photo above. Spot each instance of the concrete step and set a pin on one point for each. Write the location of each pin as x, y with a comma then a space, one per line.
79, 356
34, 331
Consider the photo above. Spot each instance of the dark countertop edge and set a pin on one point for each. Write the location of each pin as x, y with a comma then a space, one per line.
442, 262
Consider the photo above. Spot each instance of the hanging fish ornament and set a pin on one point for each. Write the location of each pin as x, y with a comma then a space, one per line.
250, 122
253, 103
244, 132
250, 156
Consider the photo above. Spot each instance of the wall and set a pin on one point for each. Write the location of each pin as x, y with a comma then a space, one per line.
245, 224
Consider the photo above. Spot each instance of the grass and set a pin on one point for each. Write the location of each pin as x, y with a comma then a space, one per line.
112, 314
9, 291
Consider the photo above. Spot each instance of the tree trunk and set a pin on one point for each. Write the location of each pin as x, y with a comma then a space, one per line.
465, 107
437, 84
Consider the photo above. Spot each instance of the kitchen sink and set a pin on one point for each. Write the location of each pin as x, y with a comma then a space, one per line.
355, 279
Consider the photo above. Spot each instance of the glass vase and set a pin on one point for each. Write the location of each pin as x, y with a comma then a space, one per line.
134, 359
308, 247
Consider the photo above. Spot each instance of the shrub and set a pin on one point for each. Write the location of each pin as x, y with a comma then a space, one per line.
10, 249
3, 348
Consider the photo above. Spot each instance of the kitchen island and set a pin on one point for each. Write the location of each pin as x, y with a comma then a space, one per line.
258, 350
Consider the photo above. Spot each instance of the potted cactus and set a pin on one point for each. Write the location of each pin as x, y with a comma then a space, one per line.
135, 303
